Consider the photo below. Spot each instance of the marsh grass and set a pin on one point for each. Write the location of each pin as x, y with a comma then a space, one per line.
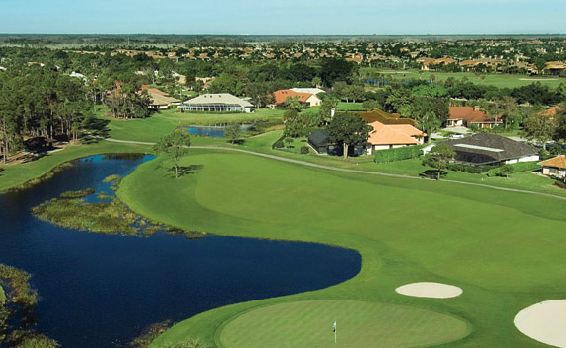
18, 303
150, 333
70, 210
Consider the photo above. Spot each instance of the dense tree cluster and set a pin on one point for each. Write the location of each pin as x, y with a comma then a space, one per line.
40, 102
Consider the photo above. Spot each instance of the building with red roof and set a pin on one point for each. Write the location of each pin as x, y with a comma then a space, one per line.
466, 116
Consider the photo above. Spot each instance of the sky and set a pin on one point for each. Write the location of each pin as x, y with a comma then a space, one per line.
283, 17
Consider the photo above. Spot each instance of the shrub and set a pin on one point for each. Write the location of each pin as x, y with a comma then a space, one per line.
466, 168
400, 154
279, 144
305, 150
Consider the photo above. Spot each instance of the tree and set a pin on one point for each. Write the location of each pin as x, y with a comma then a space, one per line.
233, 132
175, 145
440, 156
560, 134
328, 109
348, 131
540, 129
335, 69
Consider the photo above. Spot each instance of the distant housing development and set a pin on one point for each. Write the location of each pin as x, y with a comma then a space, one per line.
217, 103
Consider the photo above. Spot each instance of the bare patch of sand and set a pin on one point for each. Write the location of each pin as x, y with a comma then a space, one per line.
544, 322
429, 290
535, 79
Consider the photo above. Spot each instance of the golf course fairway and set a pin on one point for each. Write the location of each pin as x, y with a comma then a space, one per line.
505, 250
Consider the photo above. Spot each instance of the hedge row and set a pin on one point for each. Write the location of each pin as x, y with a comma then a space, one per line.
399, 154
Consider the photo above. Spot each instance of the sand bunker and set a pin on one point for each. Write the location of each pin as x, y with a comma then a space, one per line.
544, 322
429, 290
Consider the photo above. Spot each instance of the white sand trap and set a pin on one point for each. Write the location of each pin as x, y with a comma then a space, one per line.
544, 322
429, 290
538, 79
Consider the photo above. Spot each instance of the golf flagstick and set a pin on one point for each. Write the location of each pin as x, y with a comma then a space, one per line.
334, 330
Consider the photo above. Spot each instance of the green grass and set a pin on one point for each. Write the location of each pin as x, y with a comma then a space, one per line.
159, 124
360, 324
2, 296
504, 249
493, 79
350, 106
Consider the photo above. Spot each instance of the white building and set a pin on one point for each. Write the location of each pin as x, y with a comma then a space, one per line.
217, 103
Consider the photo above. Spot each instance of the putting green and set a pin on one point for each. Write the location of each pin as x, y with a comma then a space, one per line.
359, 324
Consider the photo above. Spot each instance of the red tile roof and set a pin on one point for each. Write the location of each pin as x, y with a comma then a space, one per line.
398, 134
468, 114
283, 95
556, 162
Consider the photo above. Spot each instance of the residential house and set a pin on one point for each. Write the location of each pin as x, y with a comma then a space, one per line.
465, 116
555, 68
159, 99
281, 98
217, 103
492, 149
390, 131
555, 167
392, 136
430, 63
319, 141
550, 112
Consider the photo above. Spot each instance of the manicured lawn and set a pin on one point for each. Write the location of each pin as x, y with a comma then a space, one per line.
504, 249
360, 324
351, 106
154, 127
497, 80
413, 167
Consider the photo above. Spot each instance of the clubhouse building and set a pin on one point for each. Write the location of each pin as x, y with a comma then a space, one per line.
217, 103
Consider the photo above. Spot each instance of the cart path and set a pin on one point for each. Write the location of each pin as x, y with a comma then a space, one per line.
342, 170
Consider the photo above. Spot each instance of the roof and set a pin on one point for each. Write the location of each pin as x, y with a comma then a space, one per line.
314, 91
556, 162
158, 97
384, 117
484, 148
319, 138
555, 65
218, 99
400, 134
550, 112
468, 114
282, 96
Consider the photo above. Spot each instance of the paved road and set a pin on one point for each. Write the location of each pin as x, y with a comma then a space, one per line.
334, 169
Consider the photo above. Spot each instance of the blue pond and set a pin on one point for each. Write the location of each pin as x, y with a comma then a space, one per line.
213, 131
102, 291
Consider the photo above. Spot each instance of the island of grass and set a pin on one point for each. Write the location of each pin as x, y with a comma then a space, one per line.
108, 216
504, 249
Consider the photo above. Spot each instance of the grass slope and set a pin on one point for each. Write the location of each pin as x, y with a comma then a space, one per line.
504, 249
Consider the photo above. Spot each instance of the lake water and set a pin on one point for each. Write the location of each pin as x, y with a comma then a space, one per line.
213, 131
102, 291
